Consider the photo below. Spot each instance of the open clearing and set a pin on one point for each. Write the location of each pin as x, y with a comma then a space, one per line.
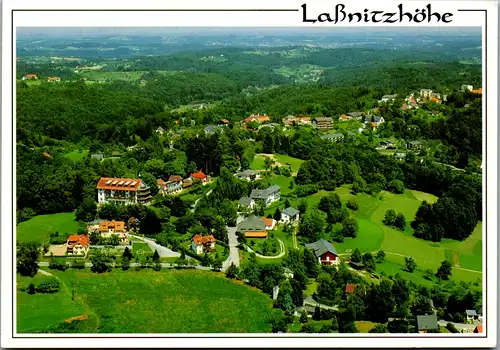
77, 155
170, 301
39, 227
279, 159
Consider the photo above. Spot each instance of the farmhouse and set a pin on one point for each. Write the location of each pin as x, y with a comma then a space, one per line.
269, 195
77, 245
325, 252
322, 123
122, 191
30, 77
246, 202
333, 137
426, 323
201, 244
199, 177
173, 185
252, 227
290, 215
248, 175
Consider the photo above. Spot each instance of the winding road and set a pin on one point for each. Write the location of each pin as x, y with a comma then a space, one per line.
282, 251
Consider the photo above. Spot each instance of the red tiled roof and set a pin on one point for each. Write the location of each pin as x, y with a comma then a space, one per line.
31, 76
224, 121
111, 183
174, 178
478, 329
349, 288
477, 91
199, 175
78, 239
374, 123
199, 239
117, 225
160, 182
435, 99
258, 118
304, 119
267, 221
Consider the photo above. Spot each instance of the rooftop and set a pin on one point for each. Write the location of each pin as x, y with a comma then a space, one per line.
120, 184
321, 247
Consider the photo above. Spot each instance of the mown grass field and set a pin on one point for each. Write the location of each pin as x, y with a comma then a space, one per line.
169, 301
294, 163
39, 227
77, 155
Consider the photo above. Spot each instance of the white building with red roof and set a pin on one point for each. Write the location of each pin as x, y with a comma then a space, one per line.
122, 191
77, 245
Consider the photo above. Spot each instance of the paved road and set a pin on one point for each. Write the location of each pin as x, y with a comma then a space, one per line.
234, 256
132, 264
465, 327
164, 252
308, 300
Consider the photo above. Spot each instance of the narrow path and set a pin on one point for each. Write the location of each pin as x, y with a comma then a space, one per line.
308, 300
281, 254
234, 256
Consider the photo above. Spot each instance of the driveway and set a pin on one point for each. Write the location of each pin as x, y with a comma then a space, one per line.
164, 252
234, 256
461, 327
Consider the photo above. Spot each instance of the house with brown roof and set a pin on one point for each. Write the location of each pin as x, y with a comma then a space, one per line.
173, 185
223, 122
53, 79
303, 120
110, 227
30, 77
259, 118
478, 329
77, 245
201, 244
322, 123
477, 91
122, 191
269, 223
350, 288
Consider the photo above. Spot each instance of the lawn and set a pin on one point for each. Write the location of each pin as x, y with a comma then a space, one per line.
283, 182
369, 238
141, 248
287, 160
169, 301
258, 163
39, 227
77, 156
40, 312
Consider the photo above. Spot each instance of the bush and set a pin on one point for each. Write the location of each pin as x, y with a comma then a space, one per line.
31, 289
396, 186
49, 285
55, 265
351, 204
305, 190
78, 264
451, 328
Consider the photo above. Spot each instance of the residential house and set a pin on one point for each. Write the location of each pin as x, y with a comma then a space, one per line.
477, 91
425, 93
173, 185
210, 129
122, 191
259, 118
465, 87
400, 156
246, 202
355, 115
290, 215
223, 122
252, 227
322, 123
248, 175
289, 120
357, 265
344, 118
426, 323
478, 329
325, 252
187, 183
110, 228
268, 195
386, 144
471, 316
200, 177
30, 77
350, 288
434, 99
388, 98
201, 244
53, 79
333, 137
97, 156
269, 223
160, 131
303, 120
77, 245
415, 145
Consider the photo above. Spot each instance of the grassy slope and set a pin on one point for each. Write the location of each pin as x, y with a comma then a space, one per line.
169, 301
39, 227
77, 155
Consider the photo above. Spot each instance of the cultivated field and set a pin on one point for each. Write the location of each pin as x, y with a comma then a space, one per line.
170, 301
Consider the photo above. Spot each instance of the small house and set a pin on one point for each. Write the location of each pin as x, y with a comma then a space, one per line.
97, 156
425, 93
356, 265
400, 156
471, 315
223, 122
287, 273
289, 120
325, 252
355, 115
248, 175
252, 227
199, 177
77, 245
268, 195
414, 145
34, 77
426, 323
201, 244
388, 98
210, 129
466, 87
111, 227
478, 329
246, 202
259, 118
53, 79
290, 215
160, 131
269, 223
303, 120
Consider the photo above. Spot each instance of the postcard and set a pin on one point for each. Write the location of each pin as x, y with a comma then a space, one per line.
258, 174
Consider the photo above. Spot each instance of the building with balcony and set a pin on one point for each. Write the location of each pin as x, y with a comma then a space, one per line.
122, 191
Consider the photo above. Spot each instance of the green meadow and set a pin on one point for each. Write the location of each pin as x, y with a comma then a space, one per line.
39, 227
169, 301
